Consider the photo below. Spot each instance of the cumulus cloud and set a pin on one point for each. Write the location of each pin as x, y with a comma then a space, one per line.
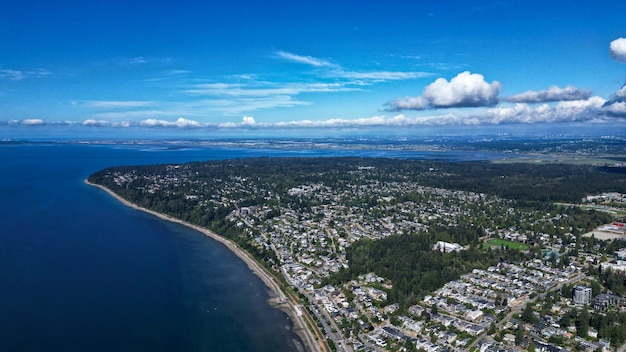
106, 123
618, 49
551, 94
616, 104
616, 109
565, 111
180, 123
248, 120
96, 123
465, 90
33, 122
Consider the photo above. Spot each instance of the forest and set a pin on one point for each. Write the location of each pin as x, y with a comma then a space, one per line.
516, 181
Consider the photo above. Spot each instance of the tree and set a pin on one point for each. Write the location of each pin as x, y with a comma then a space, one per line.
519, 334
425, 315
528, 315
596, 289
567, 291
492, 329
566, 319
582, 323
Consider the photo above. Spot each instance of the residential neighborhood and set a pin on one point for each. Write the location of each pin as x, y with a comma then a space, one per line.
310, 228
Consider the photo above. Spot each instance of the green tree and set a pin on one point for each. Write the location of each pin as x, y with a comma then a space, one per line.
528, 315
519, 334
582, 323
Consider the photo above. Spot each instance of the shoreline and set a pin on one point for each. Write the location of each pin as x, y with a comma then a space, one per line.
277, 299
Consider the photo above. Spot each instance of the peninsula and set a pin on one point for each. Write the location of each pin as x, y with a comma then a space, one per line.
390, 254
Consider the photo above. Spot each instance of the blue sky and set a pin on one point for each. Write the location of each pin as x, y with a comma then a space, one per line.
285, 64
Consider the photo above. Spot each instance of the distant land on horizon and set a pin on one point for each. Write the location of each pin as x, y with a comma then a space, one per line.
583, 145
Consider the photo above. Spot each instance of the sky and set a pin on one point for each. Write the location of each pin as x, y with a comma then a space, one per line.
281, 65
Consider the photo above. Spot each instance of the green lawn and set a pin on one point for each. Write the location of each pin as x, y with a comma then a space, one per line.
512, 245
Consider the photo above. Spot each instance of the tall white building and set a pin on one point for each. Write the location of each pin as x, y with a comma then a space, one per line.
582, 294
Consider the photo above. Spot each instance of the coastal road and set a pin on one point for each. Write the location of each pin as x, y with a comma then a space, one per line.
316, 311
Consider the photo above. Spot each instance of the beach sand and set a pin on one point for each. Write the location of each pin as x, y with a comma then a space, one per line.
279, 300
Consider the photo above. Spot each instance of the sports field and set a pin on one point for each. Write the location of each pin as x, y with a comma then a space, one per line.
510, 244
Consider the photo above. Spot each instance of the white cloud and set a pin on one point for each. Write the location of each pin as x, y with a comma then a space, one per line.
33, 122
565, 111
105, 123
553, 93
616, 109
382, 121
618, 49
308, 60
17, 75
238, 98
246, 105
246, 93
376, 76
590, 110
615, 105
185, 123
248, 120
137, 60
265, 89
180, 123
96, 123
336, 71
114, 104
123, 115
465, 90
14, 75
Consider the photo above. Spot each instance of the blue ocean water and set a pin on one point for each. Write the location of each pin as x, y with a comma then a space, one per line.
81, 272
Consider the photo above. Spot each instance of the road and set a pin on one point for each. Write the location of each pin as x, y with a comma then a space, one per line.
519, 308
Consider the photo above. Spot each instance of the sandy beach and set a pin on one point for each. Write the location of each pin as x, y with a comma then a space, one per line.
280, 300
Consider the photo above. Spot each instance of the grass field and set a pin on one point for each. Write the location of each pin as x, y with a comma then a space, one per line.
512, 245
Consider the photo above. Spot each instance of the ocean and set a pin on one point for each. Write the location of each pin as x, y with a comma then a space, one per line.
79, 271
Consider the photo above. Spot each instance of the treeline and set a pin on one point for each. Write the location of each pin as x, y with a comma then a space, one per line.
520, 181
526, 182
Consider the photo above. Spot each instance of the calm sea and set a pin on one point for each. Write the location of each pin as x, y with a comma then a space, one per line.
81, 272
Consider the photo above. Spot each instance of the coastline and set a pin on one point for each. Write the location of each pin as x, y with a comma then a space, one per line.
278, 300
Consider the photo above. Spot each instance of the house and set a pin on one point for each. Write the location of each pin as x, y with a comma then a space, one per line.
447, 247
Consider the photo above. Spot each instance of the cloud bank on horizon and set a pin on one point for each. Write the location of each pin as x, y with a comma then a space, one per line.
347, 73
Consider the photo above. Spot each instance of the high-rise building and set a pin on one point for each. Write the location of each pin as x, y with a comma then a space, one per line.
582, 294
